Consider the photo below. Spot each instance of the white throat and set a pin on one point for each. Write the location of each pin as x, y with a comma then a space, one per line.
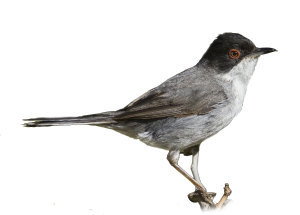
237, 80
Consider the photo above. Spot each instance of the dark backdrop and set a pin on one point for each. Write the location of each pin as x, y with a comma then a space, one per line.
83, 57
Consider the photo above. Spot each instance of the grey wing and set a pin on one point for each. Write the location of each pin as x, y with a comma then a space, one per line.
177, 97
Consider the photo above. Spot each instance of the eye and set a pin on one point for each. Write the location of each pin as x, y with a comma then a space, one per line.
234, 54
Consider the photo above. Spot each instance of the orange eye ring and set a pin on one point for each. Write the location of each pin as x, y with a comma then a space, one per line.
234, 54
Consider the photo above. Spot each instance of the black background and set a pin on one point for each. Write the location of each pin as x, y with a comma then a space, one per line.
82, 57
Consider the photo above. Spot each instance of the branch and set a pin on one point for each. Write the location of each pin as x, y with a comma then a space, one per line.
205, 205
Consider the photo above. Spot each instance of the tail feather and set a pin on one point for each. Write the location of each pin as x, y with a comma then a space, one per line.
95, 119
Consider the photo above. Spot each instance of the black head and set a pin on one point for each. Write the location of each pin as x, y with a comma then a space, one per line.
227, 51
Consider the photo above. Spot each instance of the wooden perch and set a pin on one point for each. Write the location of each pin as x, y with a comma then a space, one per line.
205, 200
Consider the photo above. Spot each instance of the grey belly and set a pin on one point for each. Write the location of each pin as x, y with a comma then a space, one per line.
167, 133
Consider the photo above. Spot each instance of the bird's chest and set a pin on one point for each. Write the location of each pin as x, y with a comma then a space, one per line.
238, 90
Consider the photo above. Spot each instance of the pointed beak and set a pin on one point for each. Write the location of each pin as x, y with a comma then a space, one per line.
261, 51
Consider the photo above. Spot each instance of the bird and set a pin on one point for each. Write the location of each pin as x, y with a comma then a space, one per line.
188, 108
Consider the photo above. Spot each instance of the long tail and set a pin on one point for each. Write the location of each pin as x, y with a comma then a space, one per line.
94, 119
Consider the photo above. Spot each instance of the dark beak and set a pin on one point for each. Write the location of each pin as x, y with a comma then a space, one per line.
261, 51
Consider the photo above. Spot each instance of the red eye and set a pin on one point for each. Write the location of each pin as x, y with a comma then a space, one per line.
234, 54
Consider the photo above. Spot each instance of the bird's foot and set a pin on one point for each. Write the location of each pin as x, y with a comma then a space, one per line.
205, 199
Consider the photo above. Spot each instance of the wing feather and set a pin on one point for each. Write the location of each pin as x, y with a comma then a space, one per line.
181, 96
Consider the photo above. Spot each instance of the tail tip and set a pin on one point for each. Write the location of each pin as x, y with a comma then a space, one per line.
29, 124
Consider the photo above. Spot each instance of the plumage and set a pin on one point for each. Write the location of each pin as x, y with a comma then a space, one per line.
188, 108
